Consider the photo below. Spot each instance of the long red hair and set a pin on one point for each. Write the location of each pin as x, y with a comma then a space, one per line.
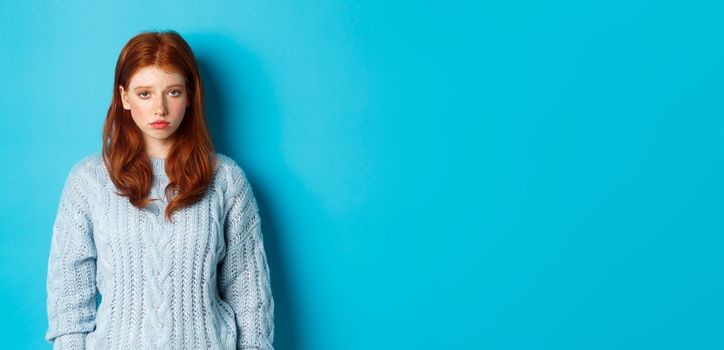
190, 164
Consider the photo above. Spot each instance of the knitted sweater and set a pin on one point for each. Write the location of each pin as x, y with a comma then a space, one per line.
201, 282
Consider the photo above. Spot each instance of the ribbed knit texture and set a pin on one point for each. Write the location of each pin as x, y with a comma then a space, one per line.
201, 282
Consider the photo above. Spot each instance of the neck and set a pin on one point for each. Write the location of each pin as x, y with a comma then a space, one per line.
158, 148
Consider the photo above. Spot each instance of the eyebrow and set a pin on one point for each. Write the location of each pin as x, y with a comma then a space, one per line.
148, 87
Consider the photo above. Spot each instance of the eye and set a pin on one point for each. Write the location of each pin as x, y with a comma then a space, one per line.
176, 92
143, 94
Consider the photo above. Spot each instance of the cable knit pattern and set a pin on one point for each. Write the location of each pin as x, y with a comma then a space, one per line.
201, 282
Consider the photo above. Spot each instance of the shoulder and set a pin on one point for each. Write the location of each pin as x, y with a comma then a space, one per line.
87, 171
81, 182
233, 179
231, 173
87, 163
225, 161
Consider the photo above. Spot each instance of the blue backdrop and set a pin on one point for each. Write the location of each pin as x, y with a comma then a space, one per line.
447, 175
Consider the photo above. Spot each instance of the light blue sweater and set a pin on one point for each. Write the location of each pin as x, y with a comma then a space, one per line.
201, 282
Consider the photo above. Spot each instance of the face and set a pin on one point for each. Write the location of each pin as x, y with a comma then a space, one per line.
155, 95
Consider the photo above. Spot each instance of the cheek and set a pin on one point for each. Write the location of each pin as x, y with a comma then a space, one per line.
138, 111
178, 107
135, 111
138, 106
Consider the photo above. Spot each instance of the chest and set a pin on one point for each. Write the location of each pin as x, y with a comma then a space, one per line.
121, 229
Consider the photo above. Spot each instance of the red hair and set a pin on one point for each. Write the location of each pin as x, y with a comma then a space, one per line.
190, 164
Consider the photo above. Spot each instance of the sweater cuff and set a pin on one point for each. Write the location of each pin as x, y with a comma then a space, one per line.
70, 341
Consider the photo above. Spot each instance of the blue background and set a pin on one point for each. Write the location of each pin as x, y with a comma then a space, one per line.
439, 175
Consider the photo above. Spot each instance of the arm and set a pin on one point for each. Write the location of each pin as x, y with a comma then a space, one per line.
244, 274
71, 283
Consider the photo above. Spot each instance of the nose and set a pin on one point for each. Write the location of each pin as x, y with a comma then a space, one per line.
160, 106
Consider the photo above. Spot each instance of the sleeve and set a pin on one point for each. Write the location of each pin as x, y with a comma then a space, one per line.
71, 281
244, 281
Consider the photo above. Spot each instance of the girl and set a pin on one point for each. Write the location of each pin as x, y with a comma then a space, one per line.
165, 229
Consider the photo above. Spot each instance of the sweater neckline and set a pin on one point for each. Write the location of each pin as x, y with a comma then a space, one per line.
158, 165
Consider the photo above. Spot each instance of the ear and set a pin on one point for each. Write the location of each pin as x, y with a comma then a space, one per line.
124, 97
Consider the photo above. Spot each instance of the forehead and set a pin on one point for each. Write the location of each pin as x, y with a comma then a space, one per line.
155, 76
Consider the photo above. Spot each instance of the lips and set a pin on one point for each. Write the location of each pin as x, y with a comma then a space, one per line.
159, 124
